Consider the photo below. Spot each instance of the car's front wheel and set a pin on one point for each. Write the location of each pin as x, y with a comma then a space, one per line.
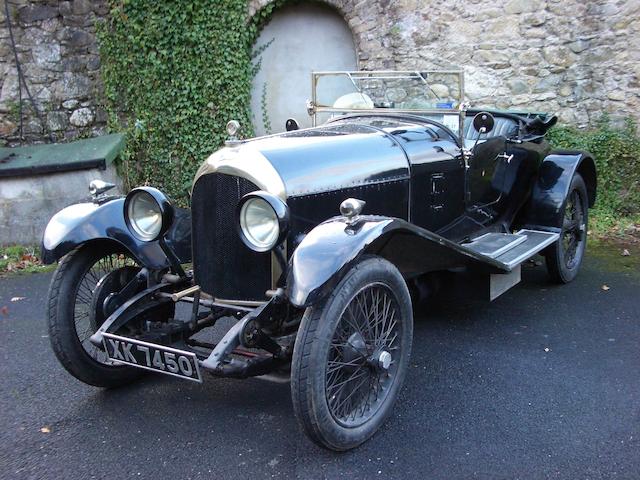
351, 356
81, 283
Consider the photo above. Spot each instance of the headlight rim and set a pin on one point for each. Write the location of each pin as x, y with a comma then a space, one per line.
164, 206
281, 211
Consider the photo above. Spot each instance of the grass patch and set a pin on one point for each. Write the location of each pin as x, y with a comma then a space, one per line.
614, 255
605, 224
18, 259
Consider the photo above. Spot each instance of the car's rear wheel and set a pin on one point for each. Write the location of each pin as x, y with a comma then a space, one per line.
564, 257
351, 356
80, 284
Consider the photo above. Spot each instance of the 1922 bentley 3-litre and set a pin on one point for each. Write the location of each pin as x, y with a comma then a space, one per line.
314, 241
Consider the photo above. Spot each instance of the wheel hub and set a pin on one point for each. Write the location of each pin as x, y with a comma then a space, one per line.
355, 350
384, 360
103, 299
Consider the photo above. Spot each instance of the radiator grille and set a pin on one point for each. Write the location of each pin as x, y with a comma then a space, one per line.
223, 266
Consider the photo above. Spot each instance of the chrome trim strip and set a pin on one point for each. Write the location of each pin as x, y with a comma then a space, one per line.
247, 162
241, 303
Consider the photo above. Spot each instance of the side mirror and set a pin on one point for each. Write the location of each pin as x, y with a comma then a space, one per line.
291, 124
483, 122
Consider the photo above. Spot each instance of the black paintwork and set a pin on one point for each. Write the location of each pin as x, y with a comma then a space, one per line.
89, 222
334, 157
427, 190
511, 181
327, 252
544, 208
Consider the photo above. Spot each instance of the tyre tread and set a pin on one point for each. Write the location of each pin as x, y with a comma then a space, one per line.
74, 362
309, 416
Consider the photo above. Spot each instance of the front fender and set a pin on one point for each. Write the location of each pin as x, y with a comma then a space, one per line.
329, 250
544, 210
85, 222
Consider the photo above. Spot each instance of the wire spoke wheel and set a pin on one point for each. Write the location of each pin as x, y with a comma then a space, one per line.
360, 364
351, 355
564, 257
573, 230
81, 297
85, 305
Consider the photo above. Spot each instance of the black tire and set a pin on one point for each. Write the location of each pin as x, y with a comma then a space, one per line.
74, 353
330, 334
564, 257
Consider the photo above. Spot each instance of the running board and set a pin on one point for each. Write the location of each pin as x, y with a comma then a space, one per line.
493, 245
510, 251
535, 241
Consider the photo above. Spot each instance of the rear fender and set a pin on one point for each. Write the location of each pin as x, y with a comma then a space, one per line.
328, 251
87, 222
544, 210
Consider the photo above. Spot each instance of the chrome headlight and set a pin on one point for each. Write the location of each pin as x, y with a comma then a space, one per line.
148, 213
263, 219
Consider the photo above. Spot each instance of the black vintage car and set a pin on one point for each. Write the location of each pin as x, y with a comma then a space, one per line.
311, 246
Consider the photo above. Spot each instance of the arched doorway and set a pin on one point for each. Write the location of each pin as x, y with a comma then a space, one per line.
301, 38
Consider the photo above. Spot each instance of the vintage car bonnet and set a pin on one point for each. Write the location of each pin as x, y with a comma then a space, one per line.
313, 161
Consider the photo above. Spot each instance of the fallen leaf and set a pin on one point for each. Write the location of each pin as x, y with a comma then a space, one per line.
605, 287
625, 253
17, 299
4, 310
45, 430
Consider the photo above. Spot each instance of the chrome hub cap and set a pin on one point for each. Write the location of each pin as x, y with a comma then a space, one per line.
384, 360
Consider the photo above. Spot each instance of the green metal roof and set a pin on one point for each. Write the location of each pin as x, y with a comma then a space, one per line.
95, 152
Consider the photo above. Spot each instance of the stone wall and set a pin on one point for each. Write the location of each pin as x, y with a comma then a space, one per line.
56, 46
28, 202
576, 58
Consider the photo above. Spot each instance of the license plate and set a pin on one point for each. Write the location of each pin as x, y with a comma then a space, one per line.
151, 356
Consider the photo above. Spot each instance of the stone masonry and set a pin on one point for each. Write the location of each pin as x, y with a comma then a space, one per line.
578, 58
57, 49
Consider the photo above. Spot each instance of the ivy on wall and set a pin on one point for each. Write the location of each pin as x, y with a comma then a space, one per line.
616, 152
174, 74
618, 163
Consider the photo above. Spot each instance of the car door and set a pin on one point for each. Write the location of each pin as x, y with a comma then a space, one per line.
437, 176
486, 173
500, 175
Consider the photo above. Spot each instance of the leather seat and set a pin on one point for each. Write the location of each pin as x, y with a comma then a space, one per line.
505, 127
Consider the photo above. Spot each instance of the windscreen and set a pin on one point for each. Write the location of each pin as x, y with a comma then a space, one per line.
436, 94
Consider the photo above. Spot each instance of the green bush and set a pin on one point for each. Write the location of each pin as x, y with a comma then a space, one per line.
174, 73
616, 152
